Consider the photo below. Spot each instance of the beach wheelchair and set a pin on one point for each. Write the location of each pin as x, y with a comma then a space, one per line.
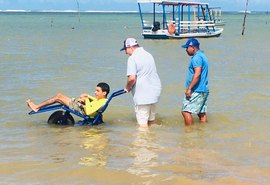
64, 117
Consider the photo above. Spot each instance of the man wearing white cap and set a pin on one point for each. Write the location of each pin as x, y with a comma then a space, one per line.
143, 81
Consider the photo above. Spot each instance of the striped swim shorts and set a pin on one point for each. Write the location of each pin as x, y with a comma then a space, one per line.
196, 104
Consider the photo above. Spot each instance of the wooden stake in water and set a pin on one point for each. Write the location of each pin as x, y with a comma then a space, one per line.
51, 22
244, 22
78, 8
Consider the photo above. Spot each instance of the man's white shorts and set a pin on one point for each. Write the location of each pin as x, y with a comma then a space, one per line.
145, 113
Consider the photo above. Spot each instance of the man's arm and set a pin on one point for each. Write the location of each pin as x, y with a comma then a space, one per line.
131, 80
195, 79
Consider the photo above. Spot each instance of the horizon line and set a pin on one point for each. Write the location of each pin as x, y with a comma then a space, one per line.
75, 11
94, 11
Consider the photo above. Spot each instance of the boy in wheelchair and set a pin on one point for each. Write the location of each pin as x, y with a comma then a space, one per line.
85, 104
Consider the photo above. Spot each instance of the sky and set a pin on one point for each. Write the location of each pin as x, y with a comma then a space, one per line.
121, 5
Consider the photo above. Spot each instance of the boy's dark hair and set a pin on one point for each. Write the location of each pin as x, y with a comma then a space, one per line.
104, 87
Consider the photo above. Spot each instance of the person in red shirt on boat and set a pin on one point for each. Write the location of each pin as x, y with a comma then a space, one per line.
85, 104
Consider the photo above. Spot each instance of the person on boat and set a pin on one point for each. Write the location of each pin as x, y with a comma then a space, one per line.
143, 81
85, 104
195, 99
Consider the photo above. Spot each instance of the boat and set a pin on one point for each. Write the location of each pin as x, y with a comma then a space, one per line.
176, 19
216, 15
245, 12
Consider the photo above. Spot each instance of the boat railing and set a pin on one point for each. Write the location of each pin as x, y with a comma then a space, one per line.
147, 24
196, 23
191, 24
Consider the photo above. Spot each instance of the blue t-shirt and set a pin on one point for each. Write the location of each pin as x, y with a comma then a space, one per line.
198, 60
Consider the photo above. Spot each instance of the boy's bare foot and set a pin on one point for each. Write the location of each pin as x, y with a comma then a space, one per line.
31, 105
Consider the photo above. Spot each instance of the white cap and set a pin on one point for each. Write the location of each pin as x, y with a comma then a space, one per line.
129, 42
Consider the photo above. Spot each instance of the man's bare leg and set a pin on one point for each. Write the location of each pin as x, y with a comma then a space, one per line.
59, 98
188, 118
153, 122
202, 117
143, 125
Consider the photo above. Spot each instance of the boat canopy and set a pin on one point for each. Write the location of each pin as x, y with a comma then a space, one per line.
174, 3
215, 11
149, 1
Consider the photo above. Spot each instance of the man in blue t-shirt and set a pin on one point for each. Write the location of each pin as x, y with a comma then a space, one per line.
195, 100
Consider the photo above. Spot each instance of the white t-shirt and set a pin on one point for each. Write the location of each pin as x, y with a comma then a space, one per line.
148, 86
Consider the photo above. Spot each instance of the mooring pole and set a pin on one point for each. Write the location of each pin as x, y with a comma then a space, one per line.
244, 22
78, 8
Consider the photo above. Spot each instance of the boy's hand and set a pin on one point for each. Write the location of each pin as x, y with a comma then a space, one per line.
81, 100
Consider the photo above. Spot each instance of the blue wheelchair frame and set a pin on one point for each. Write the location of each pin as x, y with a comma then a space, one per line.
86, 119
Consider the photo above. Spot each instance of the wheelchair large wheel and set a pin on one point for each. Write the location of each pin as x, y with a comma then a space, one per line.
61, 118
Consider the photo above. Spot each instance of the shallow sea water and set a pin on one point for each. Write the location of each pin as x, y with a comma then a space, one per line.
46, 53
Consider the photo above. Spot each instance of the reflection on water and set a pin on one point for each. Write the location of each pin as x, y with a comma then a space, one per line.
196, 157
144, 152
95, 143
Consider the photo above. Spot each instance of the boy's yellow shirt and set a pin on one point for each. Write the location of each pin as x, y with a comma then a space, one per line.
92, 105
